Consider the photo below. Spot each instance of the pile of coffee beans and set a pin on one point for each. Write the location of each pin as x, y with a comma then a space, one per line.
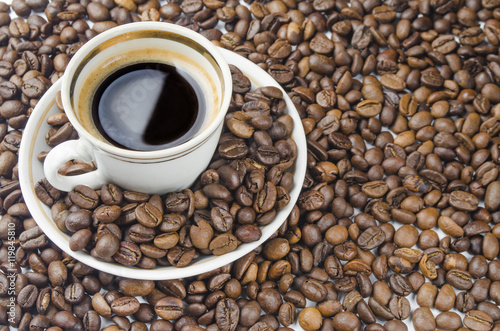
246, 184
398, 222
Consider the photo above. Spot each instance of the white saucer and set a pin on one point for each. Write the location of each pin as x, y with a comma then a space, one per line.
31, 171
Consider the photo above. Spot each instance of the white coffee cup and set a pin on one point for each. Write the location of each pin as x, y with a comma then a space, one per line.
158, 171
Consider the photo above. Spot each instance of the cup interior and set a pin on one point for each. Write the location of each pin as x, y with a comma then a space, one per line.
146, 43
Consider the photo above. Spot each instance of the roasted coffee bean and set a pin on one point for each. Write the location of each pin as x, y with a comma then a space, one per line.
27, 296
459, 279
311, 200
371, 238
478, 320
33, 238
180, 257
310, 319
313, 290
423, 319
369, 108
107, 214
265, 198
248, 233
235, 149
169, 308
128, 253
250, 313
174, 203
222, 244
140, 234
91, 321
125, 306
227, 313
58, 273
46, 192
276, 249
222, 220
74, 293
400, 307
84, 197
111, 194
287, 314
78, 220
463, 201
400, 285
106, 246
33, 88
148, 215
489, 308
464, 302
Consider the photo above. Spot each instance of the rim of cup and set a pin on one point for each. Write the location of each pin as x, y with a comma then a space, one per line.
174, 151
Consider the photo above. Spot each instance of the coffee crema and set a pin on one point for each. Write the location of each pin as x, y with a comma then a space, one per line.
147, 101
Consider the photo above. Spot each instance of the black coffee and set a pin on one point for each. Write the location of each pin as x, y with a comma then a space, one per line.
147, 106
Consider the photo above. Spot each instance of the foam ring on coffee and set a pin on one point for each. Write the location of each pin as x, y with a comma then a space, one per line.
156, 46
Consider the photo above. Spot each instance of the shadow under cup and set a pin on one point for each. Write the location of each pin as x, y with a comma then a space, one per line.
145, 46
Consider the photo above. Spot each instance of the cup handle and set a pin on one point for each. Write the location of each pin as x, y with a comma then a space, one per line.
69, 150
